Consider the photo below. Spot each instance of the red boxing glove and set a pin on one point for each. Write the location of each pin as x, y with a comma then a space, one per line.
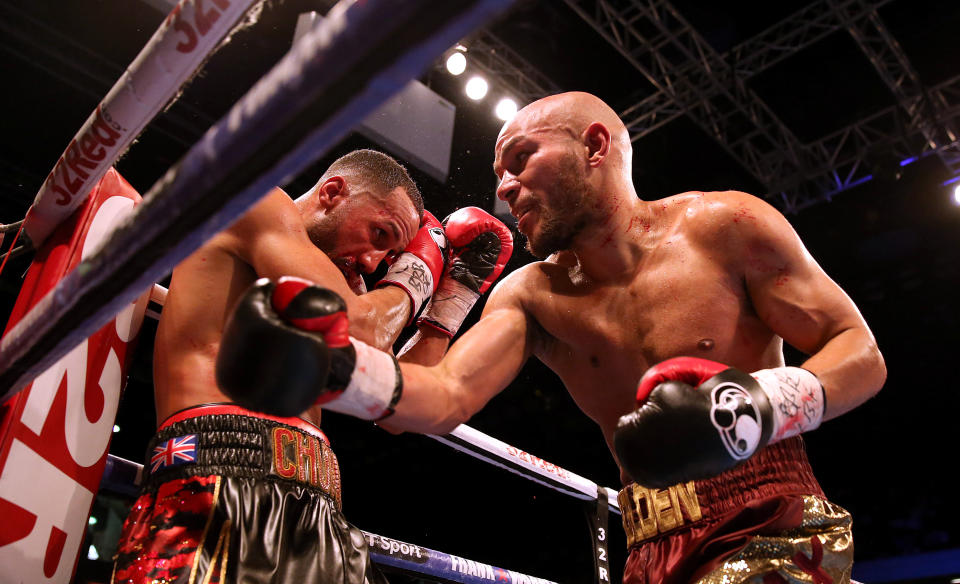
480, 247
418, 269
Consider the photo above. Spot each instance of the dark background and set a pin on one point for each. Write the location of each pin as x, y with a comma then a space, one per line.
891, 243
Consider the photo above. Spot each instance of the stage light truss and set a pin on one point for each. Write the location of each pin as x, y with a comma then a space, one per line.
691, 78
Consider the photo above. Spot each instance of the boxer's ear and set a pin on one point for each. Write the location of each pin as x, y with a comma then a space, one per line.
597, 140
332, 191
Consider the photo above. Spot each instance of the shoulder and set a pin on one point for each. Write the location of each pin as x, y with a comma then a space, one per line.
276, 210
718, 206
275, 213
518, 283
727, 217
274, 218
523, 285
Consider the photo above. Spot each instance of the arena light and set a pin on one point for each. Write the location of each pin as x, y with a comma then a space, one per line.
953, 184
506, 109
456, 62
476, 88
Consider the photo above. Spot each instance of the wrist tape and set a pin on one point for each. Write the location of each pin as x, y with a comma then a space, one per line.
375, 385
413, 275
797, 398
449, 306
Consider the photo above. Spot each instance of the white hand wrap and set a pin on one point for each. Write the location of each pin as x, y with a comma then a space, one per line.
449, 306
797, 398
375, 385
413, 275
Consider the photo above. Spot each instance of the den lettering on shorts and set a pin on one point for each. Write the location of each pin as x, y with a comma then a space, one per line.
650, 512
779, 469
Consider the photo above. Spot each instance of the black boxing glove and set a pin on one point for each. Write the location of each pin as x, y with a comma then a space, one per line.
697, 418
480, 247
286, 347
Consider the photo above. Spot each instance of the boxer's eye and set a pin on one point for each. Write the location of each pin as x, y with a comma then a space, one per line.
519, 162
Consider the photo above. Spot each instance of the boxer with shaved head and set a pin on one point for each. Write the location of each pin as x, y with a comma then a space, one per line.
665, 320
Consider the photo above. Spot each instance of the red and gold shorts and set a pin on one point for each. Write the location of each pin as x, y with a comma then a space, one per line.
763, 522
233, 496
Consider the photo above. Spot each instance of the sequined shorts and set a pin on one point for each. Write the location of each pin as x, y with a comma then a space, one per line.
763, 522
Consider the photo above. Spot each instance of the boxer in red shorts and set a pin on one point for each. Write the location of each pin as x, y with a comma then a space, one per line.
653, 313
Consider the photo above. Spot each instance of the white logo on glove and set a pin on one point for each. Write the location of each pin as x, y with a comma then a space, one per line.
736, 418
438, 236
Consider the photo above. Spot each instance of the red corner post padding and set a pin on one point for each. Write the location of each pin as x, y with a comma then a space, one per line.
54, 435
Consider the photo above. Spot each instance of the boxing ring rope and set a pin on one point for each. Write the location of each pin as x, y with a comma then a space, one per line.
122, 475
179, 47
333, 77
493, 451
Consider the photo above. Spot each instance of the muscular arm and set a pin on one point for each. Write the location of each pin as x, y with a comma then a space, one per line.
799, 302
271, 238
483, 361
426, 347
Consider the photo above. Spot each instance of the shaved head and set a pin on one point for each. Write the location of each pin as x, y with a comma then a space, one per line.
572, 113
575, 110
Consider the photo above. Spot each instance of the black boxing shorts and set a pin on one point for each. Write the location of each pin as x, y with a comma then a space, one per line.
231, 495
764, 521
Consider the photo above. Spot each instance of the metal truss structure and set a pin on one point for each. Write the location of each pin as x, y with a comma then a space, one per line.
495, 58
692, 79
926, 111
695, 80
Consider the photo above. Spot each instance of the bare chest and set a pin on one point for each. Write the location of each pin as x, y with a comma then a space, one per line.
601, 338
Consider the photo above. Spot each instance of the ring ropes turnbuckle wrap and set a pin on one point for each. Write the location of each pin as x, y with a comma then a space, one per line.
186, 38
600, 500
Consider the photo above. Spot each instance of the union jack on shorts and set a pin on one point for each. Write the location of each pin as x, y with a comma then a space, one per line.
174, 451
